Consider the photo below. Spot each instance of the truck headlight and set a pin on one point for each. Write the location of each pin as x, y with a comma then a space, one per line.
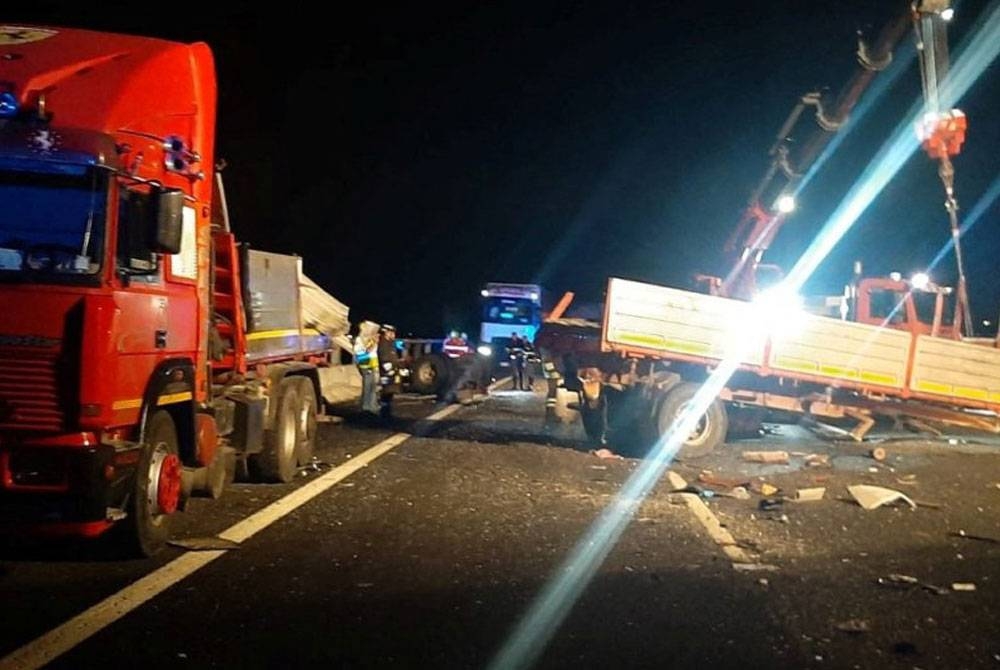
484, 350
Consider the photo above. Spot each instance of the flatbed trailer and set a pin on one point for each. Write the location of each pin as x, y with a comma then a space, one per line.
658, 344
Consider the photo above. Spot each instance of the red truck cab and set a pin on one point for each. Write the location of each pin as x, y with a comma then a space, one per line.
125, 353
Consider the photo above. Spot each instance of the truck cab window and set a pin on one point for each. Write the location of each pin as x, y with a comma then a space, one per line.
889, 306
134, 255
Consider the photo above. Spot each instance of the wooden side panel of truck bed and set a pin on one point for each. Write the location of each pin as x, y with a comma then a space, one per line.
683, 325
956, 369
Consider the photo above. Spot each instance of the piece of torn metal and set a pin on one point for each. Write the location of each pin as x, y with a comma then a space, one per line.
872, 497
204, 543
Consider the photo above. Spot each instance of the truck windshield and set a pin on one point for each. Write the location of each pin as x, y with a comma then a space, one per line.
510, 310
52, 224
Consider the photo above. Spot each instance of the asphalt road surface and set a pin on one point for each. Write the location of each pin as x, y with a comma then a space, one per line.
430, 554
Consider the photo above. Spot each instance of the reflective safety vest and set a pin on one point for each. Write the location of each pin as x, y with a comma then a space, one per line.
454, 347
366, 354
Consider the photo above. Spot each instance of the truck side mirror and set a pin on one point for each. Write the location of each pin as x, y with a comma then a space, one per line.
165, 220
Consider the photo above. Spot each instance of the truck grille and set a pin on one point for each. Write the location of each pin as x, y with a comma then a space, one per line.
29, 394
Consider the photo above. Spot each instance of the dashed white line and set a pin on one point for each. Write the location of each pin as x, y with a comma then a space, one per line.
61, 639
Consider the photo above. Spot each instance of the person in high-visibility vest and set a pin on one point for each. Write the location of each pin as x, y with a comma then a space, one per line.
455, 345
366, 358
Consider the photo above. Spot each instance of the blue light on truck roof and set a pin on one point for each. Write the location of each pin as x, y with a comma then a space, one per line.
8, 105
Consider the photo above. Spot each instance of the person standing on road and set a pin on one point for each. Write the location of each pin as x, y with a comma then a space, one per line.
389, 363
516, 349
366, 358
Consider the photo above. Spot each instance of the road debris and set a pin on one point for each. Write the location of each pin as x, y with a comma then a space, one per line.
980, 538
810, 494
780, 457
605, 453
963, 586
872, 497
897, 580
768, 490
204, 544
853, 626
739, 493
768, 504
907, 480
755, 567
816, 460
708, 477
878, 453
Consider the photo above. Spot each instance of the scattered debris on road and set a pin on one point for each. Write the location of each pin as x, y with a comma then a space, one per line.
980, 538
810, 494
605, 453
853, 626
896, 580
816, 460
878, 453
204, 544
872, 497
963, 586
780, 457
755, 567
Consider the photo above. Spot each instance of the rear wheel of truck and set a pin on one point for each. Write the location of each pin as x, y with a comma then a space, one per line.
157, 489
708, 433
277, 460
429, 374
306, 425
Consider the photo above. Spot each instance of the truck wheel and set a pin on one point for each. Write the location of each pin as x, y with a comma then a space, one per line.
429, 374
277, 462
157, 489
708, 433
306, 426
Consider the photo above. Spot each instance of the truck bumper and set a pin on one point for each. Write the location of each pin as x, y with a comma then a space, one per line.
65, 485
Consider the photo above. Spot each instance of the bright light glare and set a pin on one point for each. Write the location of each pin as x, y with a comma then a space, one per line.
557, 597
484, 293
920, 281
484, 350
534, 296
948, 14
786, 204
778, 312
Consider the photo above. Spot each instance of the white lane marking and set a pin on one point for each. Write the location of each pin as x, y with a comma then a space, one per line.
58, 641
498, 383
261, 519
704, 515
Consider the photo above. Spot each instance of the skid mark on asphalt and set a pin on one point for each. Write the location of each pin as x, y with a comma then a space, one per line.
61, 639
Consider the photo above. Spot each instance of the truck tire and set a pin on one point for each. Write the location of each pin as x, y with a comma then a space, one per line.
306, 441
710, 430
277, 460
429, 375
156, 490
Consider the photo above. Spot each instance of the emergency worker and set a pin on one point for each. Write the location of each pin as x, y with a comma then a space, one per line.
366, 358
390, 369
517, 350
455, 345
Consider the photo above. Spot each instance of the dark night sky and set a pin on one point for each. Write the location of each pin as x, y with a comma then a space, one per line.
411, 154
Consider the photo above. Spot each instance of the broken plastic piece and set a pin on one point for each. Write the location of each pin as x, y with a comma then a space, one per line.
872, 497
